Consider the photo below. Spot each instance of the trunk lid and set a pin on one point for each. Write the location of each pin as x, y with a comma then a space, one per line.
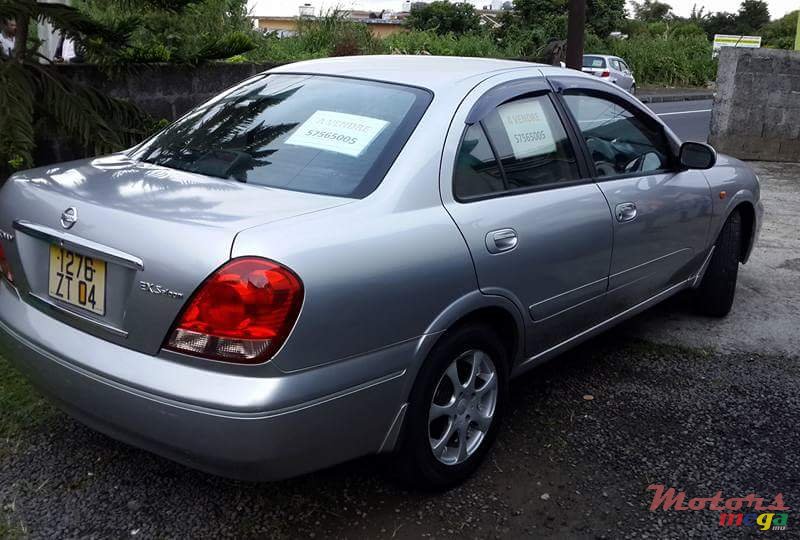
161, 232
597, 72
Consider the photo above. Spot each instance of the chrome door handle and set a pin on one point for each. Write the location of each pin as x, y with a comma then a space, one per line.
501, 241
626, 212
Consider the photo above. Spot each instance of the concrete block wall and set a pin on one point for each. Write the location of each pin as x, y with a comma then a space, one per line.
757, 106
163, 91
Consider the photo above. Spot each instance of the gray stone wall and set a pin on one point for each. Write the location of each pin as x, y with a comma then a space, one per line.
163, 91
757, 106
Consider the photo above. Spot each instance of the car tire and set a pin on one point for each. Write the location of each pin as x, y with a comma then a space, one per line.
714, 297
467, 346
633, 89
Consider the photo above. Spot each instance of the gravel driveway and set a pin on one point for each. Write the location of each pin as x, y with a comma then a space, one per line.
667, 398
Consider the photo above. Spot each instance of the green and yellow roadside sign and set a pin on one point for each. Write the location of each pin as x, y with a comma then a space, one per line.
726, 40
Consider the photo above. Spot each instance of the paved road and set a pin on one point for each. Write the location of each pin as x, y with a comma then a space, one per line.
690, 120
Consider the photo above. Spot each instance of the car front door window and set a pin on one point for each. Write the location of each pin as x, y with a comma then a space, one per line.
661, 212
620, 142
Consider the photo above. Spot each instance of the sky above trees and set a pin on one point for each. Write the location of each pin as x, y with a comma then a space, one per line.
777, 8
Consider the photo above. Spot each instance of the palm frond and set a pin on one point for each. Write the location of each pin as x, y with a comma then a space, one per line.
152, 5
98, 122
12, 9
17, 97
220, 48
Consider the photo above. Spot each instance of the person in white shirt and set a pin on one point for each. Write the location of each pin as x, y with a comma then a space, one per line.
65, 52
8, 37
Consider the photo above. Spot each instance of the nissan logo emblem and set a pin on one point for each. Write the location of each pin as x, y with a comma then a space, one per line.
69, 217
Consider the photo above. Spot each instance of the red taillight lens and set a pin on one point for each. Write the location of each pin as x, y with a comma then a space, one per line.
242, 313
5, 268
606, 74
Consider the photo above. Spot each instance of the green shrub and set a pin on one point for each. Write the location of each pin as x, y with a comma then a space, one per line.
659, 53
429, 42
671, 61
780, 34
331, 35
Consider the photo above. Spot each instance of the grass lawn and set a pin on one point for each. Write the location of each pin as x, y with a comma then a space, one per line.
21, 407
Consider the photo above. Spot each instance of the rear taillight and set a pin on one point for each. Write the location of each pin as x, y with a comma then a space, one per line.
242, 313
606, 74
5, 268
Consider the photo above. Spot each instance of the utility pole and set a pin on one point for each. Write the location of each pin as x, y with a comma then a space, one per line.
575, 31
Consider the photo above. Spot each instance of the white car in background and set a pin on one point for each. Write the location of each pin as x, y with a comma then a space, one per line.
611, 68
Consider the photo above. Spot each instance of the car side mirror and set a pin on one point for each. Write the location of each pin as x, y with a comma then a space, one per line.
696, 155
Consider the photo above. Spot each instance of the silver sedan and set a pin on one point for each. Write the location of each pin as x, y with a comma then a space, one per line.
354, 256
611, 68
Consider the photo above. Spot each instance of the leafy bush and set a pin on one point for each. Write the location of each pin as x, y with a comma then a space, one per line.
445, 18
671, 54
668, 61
36, 100
204, 30
780, 33
429, 42
331, 35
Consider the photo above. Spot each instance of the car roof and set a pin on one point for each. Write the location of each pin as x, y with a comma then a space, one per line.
432, 72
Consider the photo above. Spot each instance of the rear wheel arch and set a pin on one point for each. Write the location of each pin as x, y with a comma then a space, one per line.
501, 322
480, 331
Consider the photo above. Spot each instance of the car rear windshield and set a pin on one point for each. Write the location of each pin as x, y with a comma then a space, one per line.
594, 62
311, 133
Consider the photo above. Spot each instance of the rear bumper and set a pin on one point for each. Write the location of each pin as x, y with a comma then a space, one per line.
300, 436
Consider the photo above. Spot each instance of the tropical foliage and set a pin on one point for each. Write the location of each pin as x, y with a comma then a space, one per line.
189, 32
32, 94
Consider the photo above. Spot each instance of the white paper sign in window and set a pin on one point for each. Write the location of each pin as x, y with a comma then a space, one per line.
527, 128
342, 133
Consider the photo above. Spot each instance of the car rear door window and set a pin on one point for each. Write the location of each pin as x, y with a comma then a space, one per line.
477, 171
615, 64
521, 145
620, 140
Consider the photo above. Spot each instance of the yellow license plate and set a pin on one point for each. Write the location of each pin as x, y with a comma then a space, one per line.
78, 280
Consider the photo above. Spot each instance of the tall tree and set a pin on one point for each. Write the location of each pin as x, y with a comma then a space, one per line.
533, 12
719, 23
651, 11
445, 17
782, 32
605, 16
753, 16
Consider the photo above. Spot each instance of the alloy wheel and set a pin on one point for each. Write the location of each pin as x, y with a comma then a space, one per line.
462, 408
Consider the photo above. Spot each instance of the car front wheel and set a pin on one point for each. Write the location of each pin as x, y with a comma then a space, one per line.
455, 409
715, 295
